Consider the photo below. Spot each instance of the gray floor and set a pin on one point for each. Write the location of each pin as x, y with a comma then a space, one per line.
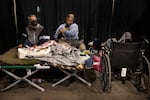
75, 91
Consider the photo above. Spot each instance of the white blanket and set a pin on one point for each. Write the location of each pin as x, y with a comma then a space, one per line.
38, 51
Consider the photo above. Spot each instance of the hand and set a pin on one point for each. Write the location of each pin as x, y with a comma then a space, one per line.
63, 30
35, 46
20, 46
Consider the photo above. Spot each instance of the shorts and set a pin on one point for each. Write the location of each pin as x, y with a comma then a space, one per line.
75, 43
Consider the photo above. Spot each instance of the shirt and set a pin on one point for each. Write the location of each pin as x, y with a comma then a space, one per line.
70, 34
34, 35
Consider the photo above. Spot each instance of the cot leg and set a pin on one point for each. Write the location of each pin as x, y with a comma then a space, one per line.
13, 84
34, 85
10, 86
19, 79
83, 80
53, 85
67, 77
70, 75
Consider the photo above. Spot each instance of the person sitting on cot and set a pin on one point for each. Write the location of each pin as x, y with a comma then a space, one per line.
69, 32
34, 34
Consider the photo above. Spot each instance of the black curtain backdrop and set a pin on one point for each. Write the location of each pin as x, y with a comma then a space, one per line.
94, 17
7, 25
133, 16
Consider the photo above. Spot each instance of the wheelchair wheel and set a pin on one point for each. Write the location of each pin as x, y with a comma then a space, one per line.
143, 80
145, 76
106, 74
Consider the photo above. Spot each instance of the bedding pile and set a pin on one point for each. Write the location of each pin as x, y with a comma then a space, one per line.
53, 52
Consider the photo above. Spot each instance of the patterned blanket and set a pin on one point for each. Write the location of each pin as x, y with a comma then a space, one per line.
56, 53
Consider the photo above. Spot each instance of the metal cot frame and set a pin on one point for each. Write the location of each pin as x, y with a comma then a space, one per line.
18, 79
70, 74
34, 69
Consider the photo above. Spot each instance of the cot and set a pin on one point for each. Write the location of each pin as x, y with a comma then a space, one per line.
9, 61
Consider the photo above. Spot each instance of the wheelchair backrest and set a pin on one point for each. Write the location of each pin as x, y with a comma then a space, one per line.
125, 54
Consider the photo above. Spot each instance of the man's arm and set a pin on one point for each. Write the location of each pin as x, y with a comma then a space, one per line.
58, 31
22, 39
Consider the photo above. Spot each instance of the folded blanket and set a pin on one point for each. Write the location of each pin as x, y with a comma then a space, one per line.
38, 51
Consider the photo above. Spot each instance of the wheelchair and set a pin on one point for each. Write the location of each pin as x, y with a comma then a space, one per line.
125, 61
